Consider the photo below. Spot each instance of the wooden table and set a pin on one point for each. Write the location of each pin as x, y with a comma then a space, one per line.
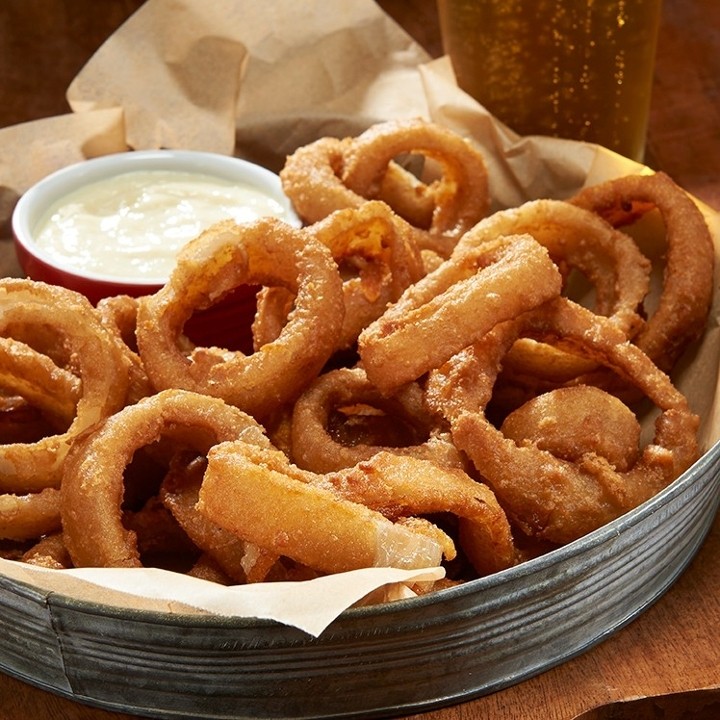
672, 647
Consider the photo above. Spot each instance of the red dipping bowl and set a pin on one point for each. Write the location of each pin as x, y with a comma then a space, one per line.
228, 322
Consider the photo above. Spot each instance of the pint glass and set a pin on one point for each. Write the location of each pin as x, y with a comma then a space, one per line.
580, 69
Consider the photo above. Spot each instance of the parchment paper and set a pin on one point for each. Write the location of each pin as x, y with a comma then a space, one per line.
258, 80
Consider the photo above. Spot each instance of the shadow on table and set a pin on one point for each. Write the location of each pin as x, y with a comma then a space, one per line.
694, 705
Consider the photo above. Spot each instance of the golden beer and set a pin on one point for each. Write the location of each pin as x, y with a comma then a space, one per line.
580, 69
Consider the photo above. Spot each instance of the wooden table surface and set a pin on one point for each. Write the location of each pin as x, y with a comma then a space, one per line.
673, 646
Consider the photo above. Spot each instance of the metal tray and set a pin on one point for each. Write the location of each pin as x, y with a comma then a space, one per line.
402, 657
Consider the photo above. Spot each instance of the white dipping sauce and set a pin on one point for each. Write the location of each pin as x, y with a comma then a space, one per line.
132, 225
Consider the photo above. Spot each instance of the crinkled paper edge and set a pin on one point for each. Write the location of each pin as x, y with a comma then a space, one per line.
309, 605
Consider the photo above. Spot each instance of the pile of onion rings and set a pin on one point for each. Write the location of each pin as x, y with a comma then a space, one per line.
427, 384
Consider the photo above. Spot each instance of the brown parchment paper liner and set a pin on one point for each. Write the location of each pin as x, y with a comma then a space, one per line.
257, 81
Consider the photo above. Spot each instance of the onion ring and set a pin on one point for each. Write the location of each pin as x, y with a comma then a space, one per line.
455, 305
258, 495
687, 286
378, 249
92, 485
331, 174
312, 179
576, 239
460, 193
315, 447
411, 486
549, 497
101, 367
265, 252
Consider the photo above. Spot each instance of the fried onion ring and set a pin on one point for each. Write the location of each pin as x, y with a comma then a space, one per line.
460, 192
100, 365
92, 485
265, 252
315, 447
258, 495
455, 305
547, 496
331, 174
379, 258
687, 285
576, 239
402, 486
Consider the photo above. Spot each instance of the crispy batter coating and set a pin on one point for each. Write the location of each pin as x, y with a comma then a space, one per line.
687, 286
265, 252
378, 259
92, 486
550, 497
455, 305
443, 199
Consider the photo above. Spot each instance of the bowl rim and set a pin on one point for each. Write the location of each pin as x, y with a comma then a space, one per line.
35, 201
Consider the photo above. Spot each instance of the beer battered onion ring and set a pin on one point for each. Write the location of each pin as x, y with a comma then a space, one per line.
571, 421
547, 496
312, 178
415, 486
576, 239
315, 447
331, 174
237, 559
36, 378
93, 478
374, 510
378, 259
28, 467
460, 193
687, 285
265, 252
455, 305
257, 494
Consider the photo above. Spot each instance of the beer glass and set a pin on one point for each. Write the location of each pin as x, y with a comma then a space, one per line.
580, 69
